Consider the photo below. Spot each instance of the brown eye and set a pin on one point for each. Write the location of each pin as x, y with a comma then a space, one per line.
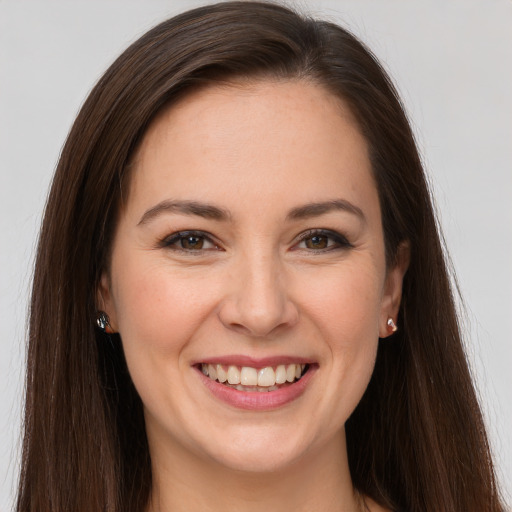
192, 242
317, 242
189, 241
322, 241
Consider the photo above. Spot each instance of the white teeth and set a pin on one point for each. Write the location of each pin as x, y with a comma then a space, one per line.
254, 389
212, 372
222, 376
251, 379
280, 374
266, 377
233, 375
249, 376
290, 373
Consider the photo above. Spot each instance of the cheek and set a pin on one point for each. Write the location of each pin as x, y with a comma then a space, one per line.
346, 307
157, 311
346, 302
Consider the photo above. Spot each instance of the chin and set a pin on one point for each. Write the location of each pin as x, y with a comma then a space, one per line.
257, 461
259, 451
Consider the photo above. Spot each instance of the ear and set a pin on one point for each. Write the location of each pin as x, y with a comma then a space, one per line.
105, 301
393, 289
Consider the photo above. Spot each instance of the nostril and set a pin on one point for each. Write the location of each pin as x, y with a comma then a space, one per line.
239, 328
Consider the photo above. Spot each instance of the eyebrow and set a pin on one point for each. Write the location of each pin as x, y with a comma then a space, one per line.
208, 211
317, 209
196, 208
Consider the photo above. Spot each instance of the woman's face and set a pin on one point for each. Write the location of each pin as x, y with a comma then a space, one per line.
250, 245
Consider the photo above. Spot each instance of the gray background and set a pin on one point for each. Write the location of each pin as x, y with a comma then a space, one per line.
452, 61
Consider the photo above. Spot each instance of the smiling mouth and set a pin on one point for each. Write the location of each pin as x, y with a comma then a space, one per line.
249, 379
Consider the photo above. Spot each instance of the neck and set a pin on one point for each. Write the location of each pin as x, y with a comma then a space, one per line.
320, 481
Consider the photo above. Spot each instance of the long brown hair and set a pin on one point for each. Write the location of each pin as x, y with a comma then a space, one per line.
416, 441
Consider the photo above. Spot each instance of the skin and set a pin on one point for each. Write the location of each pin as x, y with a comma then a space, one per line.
257, 151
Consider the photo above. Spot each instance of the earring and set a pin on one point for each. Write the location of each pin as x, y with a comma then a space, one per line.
103, 322
391, 325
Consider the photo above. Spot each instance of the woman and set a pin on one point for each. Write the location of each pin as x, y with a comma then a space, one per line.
240, 298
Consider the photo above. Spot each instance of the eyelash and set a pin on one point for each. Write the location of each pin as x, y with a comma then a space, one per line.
183, 235
339, 241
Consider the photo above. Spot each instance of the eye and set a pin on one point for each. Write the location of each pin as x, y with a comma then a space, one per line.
189, 241
321, 240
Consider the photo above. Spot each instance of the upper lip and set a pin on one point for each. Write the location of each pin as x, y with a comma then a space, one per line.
253, 362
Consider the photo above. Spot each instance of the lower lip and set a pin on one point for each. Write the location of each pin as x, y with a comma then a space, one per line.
259, 401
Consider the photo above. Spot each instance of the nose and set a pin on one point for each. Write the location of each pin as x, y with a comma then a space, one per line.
258, 303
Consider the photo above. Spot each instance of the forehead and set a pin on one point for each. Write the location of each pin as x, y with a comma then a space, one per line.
274, 140
252, 105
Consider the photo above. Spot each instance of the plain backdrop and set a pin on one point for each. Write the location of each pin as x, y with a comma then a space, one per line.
452, 61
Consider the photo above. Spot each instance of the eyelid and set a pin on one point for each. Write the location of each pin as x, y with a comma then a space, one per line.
168, 241
340, 240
